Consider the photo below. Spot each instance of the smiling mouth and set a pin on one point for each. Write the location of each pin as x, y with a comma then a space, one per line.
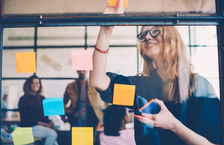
151, 44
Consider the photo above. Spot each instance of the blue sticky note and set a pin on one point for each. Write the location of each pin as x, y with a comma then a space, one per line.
53, 106
151, 107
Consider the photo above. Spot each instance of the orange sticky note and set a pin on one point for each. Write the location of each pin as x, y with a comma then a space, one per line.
124, 94
82, 59
114, 3
25, 62
82, 136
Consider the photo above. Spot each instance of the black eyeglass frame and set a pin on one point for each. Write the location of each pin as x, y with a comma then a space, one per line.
146, 32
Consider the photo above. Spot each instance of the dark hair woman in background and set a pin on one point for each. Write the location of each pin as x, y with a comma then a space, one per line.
31, 111
115, 132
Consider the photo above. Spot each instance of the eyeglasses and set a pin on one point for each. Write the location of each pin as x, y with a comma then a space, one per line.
154, 32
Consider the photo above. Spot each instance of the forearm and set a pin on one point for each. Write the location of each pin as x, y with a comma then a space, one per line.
103, 39
189, 136
98, 77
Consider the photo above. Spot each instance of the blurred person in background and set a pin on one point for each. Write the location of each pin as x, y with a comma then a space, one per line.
31, 111
83, 105
115, 131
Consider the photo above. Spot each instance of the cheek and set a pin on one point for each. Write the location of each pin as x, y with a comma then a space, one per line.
32, 87
38, 86
35, 86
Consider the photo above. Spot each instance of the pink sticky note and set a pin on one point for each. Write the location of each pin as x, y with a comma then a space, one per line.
82, 59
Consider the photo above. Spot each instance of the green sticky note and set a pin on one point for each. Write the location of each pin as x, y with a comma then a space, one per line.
22, 136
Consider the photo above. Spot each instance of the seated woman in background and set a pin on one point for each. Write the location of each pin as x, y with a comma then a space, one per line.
31, 111
115, 132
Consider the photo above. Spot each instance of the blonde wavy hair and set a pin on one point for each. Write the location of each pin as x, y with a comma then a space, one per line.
179, 81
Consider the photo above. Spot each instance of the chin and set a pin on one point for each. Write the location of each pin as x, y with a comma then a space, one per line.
151, 52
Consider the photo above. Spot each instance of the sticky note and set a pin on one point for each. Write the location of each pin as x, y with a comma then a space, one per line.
25, 62
124, 94
53, 106
151, 107
22, 135
82, 136
82, 59
114, 3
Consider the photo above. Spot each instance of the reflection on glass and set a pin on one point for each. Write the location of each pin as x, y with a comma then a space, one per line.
60, 36
48, 59
18, 37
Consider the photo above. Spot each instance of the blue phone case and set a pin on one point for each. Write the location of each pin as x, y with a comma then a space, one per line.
152, 108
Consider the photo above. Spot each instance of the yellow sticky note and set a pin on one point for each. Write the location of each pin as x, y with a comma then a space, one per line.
114, 3
22, 135
124, 94
82, 136
25, 62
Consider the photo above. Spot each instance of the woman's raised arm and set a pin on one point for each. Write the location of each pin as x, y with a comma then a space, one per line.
98, 77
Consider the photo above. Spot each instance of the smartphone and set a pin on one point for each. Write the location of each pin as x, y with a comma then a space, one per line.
151, 107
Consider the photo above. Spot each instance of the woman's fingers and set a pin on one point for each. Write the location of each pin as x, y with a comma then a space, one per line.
161, 104
121, 3
119, 9
146, 120
149, 116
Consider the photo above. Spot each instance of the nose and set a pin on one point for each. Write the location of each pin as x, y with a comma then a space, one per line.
148, 36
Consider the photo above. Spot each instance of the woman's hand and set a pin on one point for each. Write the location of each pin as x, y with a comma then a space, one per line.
164, 119
115, 10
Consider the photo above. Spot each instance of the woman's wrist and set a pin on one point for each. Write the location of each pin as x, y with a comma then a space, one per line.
104, 39
101, 51
175, 125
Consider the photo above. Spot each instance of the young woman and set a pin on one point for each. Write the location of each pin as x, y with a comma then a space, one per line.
167, 76
31, 111
115, 132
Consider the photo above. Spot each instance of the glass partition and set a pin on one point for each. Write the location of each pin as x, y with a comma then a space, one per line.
124, 57
53, 46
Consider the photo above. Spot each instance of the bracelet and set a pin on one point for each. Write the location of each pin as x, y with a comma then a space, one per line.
101, 51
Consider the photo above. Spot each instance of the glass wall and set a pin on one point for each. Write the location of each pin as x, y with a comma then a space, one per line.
58, 42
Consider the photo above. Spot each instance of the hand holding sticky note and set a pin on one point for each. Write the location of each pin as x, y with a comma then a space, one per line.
151, 107
25, 62
53, 106
22, 135
82, 136
82, 60
114, 3
124, 94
